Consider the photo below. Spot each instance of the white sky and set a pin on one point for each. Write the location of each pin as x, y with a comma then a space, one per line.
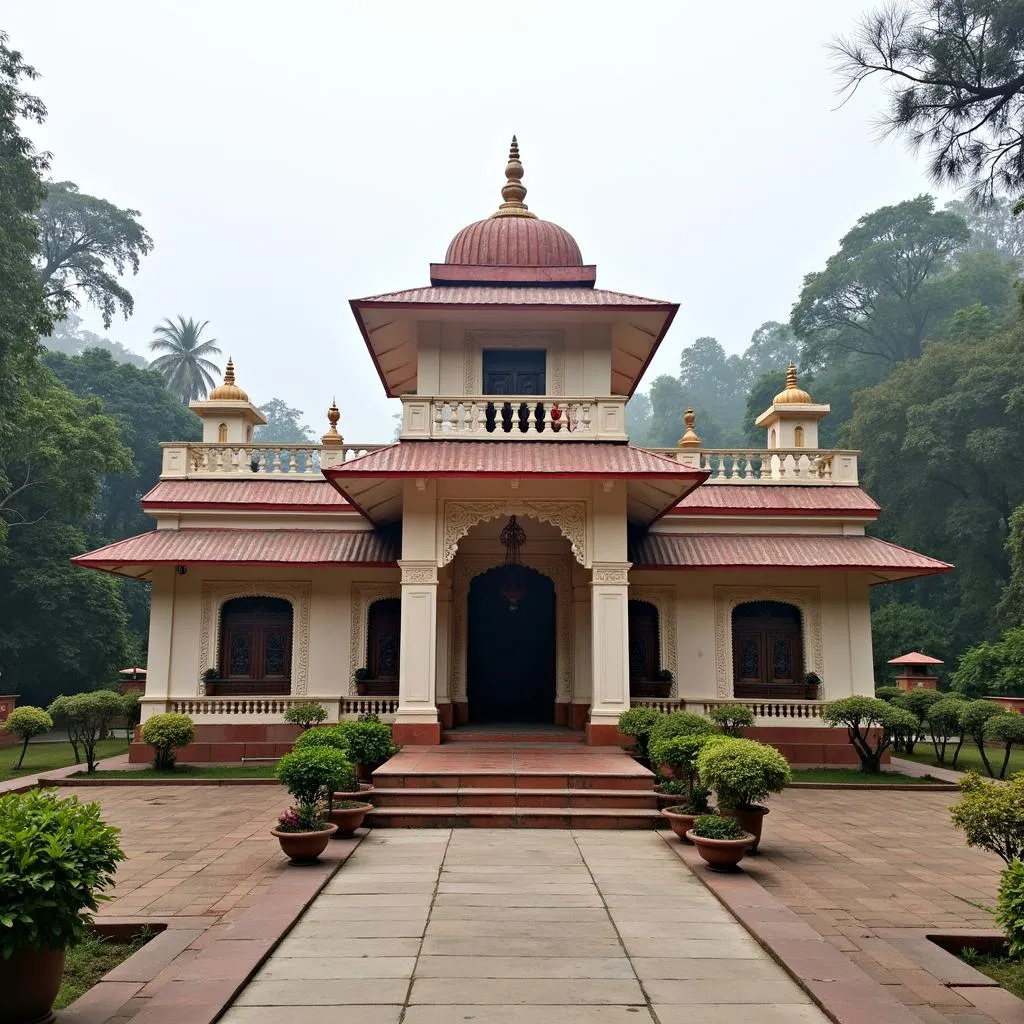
287, 157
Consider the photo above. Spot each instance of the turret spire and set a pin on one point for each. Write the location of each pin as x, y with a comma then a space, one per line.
513, 191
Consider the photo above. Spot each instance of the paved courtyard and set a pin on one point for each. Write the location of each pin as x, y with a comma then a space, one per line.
531, 927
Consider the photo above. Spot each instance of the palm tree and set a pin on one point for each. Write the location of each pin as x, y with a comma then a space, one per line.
184, 365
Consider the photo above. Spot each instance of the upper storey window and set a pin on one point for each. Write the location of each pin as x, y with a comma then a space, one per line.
514, 371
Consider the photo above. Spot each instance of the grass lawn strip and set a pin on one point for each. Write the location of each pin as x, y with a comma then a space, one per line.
969, 759
186, 771
854, 776
1007, 972
45, 757
90, 960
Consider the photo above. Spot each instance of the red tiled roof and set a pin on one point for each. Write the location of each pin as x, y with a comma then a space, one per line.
772, 551
288, 495
245, 547
915, 658
789, 499
497, 295
517, 458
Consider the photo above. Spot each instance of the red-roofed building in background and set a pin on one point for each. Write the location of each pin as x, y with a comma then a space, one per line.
512, 560
918, 671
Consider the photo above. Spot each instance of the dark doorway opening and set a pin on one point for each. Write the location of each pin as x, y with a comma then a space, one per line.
511, 654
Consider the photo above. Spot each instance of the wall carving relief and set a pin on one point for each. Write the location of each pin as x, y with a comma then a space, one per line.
569, 517
806, 599
552, 341
364, 595
664, 599
418, 571
212, 598
611, 573
558, 570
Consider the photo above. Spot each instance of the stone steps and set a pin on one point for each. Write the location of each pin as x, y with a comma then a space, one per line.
499, 780
499, 735
473, 796
512, 817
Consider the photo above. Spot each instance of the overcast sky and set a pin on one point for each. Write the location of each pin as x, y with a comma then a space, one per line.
287, 157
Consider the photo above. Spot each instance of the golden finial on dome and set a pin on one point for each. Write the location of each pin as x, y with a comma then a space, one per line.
793, 394
513, 191
229, 391
690, 438
332, 437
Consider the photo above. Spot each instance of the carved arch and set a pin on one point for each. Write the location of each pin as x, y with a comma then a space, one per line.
569, 517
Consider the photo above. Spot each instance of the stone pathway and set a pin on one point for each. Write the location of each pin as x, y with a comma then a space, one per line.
518, 927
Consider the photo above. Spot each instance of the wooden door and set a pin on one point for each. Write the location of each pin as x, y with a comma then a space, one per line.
767, 644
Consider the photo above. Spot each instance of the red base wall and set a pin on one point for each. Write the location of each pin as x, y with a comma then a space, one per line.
810, 747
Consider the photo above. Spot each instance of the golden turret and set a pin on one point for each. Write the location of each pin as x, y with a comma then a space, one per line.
229, 391
792, 395
690, 439
513, 191
332, 438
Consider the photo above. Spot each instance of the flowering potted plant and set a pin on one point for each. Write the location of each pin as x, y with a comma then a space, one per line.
720, 841
57, 856
310, 776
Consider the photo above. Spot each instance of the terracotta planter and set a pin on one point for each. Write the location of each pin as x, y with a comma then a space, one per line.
750, 819
362, 794
721, 854
668, 799
304, 847
29, 983
347, 819
679, 823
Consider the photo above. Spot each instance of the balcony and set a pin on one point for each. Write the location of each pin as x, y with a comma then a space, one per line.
513, 418
769, 466
213, 461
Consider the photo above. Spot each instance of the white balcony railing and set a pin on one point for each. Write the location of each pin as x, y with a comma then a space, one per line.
769, 466
266, 710
513, 418
766, 712
199, 460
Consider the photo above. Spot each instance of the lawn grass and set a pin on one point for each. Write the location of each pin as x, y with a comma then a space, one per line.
190, 771
1008, 972
855, 775
45, 757
87, 962
969, 759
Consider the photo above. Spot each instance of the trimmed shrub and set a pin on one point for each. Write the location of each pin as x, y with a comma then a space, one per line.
742, 772
305, 714
638, 723
131, 709
86, 716
311, 776
322, 736
57, 856
26, 722
888, 693
991, 816
165, 733
917, 702
974, 719
943, 719
680, 754
369, 744
730, 718
1011, 907
711, 826
1008, 730
681, 723
861, 716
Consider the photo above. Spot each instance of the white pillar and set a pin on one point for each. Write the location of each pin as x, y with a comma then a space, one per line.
416, 719
444, 646
609, 611
582, 687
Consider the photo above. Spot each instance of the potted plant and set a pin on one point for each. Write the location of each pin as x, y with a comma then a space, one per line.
742, 772
720, 841
57, 856
361, 677
637, 723
812, 686
682, 817
310, 776
679, 755
346, 807
350, 788
369, 745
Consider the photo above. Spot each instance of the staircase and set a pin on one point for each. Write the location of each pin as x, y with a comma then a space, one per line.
493, 783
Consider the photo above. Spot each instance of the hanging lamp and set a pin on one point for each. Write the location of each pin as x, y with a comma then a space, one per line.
513, 589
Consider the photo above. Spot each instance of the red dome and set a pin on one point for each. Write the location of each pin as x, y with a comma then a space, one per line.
514, 242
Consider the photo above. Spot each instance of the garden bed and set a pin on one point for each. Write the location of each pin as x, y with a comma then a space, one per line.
103, 949
47, 757
969, 759
853, 778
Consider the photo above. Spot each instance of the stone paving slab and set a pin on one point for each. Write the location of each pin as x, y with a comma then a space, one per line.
502, 946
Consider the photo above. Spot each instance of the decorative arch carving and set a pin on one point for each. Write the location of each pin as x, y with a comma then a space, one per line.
556, 568
213, 596
569, 517
806, 599
364, 595
664, 599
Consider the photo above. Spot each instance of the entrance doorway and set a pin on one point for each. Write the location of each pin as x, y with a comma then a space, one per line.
510, 663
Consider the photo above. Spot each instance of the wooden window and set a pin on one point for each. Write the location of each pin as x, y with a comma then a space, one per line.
514, 372
255, 647
384, 631
644, 653
767, 646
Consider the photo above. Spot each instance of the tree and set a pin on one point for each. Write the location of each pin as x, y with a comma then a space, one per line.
185, 365
26, 722
712, 383
874, 297
952, 69
994, 227
283, 426
667, 407
69, 337
638, 418
772, 347
993, 667
87, 243
760, 396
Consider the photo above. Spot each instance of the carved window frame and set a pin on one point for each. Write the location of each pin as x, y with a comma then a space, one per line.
362, 596
807, 600
213, 596
552, 341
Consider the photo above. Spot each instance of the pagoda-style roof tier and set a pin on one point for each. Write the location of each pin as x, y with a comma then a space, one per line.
373, 483
915, 658
779, 499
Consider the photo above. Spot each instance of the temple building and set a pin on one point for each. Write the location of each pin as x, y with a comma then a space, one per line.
513, 560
